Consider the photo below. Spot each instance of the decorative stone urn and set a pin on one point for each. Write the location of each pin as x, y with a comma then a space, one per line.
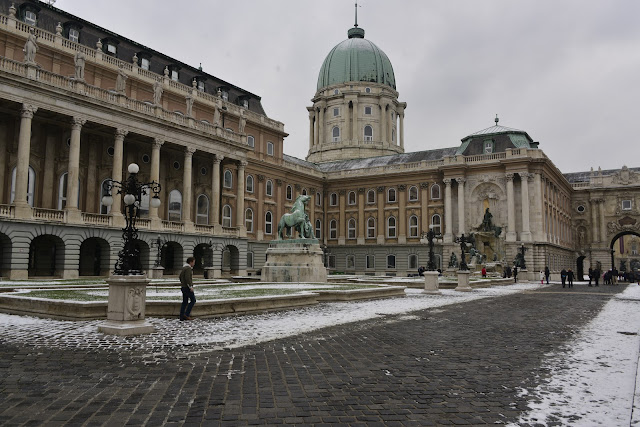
127, 301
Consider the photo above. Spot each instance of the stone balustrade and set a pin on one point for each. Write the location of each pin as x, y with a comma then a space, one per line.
96, 219
7, 211
49, 215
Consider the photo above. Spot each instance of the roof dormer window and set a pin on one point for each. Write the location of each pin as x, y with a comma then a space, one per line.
74, 35
175, 75
488, 147
30, 18
145, 63
112, 48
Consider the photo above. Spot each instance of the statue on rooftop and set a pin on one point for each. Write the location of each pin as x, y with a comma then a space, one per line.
121, 81
79, 61
157, 92
242, 123
189, 100
30, 48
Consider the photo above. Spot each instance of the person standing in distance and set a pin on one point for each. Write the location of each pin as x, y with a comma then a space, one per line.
186, 286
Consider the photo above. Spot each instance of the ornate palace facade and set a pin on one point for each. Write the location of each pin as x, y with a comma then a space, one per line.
79, 103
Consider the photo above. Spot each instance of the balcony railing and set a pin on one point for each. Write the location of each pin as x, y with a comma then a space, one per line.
172, 225
96, 219
49, 214
7, 211
206, 229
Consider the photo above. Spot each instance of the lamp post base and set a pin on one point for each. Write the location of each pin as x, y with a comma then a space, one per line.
431, 283
126, 307
463, 281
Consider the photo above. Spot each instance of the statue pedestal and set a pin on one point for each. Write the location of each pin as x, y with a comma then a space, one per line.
127, 303
431, 282
156, 272
463, 281
210, 273
294, 260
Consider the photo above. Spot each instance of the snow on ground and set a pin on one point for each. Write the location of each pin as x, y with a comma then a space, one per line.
238, 331
594, 376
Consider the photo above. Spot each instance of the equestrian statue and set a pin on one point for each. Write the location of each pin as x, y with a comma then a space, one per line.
297, 219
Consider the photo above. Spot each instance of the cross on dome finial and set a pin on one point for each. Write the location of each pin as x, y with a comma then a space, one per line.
356, 32
356, 24
496, 120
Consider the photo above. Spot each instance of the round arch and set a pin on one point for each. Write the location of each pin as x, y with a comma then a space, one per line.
5, 254
230, 260
203, 253
94, 257
171, 258
46, 256
615, 238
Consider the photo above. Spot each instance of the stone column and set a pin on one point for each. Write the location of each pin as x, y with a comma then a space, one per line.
383, 122
354, 124
401, 131
603, 225
90, 192
362, 220
595, 236
424, 207
462, 229
155, 176
23, 210
526, 229
215, 191
258, 218
240, 197
381, 222
448, 214
402, 214
311, 138
73, 176
48, 177
511, 210
347, 122
342, 226
538, 220
3, 160
316, 124
321, 126
187, 188
116, 175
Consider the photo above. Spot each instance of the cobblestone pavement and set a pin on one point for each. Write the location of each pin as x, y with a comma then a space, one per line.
461, 364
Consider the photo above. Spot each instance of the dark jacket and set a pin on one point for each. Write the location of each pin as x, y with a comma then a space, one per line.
186, 276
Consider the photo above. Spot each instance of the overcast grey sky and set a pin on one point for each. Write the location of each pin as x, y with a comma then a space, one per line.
565, 71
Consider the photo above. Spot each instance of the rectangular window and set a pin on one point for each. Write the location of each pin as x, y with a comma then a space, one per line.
111, 48
331, 261
336, 112
367, 111
74, 35
30, 18
488, 147
371, 262
145, 63
201, 85
391, 262
626, 205
269, 148
174, 75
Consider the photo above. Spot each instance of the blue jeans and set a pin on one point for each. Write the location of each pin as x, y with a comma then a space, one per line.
188, 300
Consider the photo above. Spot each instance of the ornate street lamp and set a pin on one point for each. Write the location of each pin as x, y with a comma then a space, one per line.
129, 257
159, 243
523, 249
463, 245
431, 264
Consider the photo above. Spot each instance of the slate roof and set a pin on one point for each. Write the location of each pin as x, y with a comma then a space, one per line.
585, 176
371, 162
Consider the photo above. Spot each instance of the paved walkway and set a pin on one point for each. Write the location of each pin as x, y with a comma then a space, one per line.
461, 364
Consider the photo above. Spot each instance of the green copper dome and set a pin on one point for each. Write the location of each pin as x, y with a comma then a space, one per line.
356, 60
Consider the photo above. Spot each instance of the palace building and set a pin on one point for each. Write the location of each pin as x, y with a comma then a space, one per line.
79, 103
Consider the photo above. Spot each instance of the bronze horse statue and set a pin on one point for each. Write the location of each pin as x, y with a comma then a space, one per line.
297, 220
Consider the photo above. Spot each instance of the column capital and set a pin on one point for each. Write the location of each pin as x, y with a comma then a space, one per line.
424, 185
121, 133
461, 180
188, 151
158, 143
78, 122
447, 181
380, 189
242, 164
526, 176
402, 187
27, 111
509, 176
361, 190
342, 192
261, 178
217, 158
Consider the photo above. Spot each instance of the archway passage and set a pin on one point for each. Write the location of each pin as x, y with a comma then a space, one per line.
46, 256
5, 254
580, 267
230, 261
171, 258
203, 253
94, 257
625, 253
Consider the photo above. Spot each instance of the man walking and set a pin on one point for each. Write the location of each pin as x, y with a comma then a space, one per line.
570, 278
186, 286
547, 273
563, 277
515, 274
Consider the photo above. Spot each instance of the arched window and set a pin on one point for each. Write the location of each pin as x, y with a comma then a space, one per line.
104, 209
269, 185
351, 262
226, 216
436, 221
175, 205
202, 210
413, 193
391, 195
351, 198
391, 227
31, 185
413, 262
318, 199
289, 193
371, 228
318, 228
391, 262
371, 196
335, 134
368, 133
333, 199
304, 191
269, 148
351, 229
251, 141
228, 179
413, 226
435, 191
333, 229
249, 183
62, 191
268, 223
248, 220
